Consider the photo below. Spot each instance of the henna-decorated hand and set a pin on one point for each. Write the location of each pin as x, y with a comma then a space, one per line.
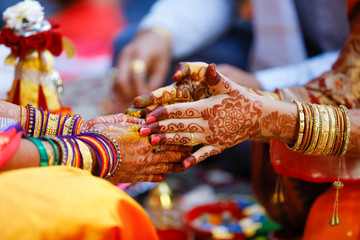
139, 160
219, 122
115, 118
229, 117
189, 86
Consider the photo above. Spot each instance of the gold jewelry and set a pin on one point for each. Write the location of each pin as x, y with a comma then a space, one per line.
193, 141
332, 131
38, 122
316, 130
65, 130
86, 156
323, 137
51, 158
347, 129
173, 92
159, 149
138, 66
52, 125
301, 127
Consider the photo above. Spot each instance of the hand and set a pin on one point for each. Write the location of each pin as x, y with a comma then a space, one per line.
229, 117
239, 76
190, 86
115, 118
139, 160
154, 50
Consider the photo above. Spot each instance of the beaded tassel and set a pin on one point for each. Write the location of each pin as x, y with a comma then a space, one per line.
335, 220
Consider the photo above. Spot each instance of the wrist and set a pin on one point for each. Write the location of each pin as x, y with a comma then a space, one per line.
160, 32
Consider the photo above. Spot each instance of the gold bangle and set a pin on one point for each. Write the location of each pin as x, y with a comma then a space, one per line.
332, 131
86, 156
340, 131
301, 127
347, 129
51, 158
38, 122
70, 153
22, 120
52, 125
65, 130
324, 135
316, 130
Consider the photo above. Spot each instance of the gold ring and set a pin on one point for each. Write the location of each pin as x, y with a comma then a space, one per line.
193, 141
138, 66
173, 92
159, 149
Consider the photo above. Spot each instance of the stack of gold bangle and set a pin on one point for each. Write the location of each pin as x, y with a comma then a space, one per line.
323, 129
39, 122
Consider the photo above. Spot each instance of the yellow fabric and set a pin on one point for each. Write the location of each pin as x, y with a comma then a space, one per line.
67, 203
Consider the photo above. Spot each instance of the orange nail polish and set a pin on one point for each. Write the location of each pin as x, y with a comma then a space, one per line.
186, 164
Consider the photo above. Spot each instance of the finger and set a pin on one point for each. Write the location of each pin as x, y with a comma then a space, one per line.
143, 111
175, 138
216, 81
182, 110
123, 81
193, 70
176, 148
168, 157
163, 168
161, 95
139, 78
160, 71
175, 125
200, 155
149, 178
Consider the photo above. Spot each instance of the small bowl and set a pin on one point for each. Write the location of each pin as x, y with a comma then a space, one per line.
213, 208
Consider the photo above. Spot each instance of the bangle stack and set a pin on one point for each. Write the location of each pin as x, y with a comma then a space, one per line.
323, 130
39, 122
76, 151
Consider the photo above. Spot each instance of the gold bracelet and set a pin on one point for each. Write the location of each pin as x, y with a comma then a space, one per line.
38, 122
51, 158
86, 156
301, 127
316, 130
308, 127
65, 130
324, 135
332, 131
347, 129
52, 125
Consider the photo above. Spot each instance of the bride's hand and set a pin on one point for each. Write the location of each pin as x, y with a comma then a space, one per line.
229, 117
189, 86
141, 161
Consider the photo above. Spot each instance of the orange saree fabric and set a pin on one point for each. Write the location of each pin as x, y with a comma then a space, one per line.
67, 203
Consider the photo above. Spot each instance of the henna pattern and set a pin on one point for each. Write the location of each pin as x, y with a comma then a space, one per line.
190, 112
278, 124
178, 138
192, 127
233, 121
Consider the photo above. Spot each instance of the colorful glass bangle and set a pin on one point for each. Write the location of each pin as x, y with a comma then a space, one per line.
42, 150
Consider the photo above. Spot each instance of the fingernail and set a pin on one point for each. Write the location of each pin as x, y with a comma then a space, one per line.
144, 131
186, 164
154, 139
150, 119
163, 178
177, 75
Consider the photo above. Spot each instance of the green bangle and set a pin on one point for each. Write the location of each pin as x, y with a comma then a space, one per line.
43, 154
54, 147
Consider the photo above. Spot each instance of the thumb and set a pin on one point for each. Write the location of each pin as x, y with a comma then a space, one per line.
216, 81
